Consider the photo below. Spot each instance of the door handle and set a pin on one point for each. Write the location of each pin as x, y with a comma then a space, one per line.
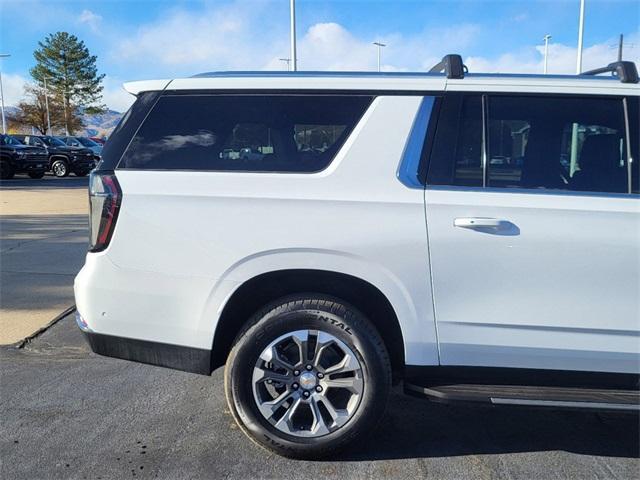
479, 222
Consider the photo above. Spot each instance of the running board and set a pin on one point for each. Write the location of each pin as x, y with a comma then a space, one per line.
558, 397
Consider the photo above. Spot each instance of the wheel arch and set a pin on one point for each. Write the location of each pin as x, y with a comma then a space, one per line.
58, 156
251, 295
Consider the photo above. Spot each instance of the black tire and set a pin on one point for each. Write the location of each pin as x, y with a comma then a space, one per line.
314, 312
6, 171
81, 173
60, 168
36, 175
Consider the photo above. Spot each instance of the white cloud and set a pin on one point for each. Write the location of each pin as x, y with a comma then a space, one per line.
115, 96
13, 88
249, 36
562, 58
90, 18
237, 36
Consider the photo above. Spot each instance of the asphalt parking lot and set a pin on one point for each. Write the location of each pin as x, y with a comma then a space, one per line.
68, 413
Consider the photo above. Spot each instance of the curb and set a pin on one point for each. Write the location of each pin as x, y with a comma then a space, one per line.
22, 343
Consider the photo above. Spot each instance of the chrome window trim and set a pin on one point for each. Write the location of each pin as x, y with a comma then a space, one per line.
530, 191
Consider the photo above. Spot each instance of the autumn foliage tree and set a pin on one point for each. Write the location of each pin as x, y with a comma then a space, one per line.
32, 111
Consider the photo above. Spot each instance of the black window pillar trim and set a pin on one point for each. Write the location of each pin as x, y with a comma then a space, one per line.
628, 146
429, 138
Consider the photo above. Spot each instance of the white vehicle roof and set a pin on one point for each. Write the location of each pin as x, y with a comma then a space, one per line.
396, 82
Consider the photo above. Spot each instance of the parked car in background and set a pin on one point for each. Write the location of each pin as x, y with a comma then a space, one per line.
16, 157
63, 159
100, 140
85, 142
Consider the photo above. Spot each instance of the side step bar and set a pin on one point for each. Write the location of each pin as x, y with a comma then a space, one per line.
538, 396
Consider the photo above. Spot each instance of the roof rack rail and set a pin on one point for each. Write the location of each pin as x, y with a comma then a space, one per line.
451, 65
625, 71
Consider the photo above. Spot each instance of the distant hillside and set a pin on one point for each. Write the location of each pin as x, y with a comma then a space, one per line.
98, 125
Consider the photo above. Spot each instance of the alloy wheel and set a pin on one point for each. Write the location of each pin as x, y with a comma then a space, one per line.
307, 383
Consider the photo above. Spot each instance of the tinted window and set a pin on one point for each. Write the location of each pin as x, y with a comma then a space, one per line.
296, 133
456, 157
573, 144
53, 142
7, 140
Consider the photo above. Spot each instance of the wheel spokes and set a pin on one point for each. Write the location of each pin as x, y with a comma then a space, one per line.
338, 416
319, 426
272, 356
352, 384
296, 391
286, 419
261, 374
269, 408
323, 341
349, 363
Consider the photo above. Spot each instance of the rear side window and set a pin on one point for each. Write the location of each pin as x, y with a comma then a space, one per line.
575, 144
126, 128
260, 133
534, 142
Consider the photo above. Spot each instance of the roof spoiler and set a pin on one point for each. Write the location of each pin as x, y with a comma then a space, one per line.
451, 65
624, 70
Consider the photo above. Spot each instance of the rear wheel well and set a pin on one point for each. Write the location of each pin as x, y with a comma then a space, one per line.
255, 293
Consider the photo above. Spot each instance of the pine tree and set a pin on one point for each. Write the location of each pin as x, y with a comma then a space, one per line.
71, 74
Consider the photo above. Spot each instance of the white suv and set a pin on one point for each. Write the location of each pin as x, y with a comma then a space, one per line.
476, 237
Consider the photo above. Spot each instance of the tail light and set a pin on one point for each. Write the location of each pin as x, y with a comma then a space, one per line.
105, 197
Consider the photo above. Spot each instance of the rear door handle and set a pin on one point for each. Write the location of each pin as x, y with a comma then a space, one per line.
479, 222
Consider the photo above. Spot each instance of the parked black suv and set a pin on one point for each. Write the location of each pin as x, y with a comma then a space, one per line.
63, 159
15, 157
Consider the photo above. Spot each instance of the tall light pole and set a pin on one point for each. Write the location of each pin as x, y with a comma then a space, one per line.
287, 61
379, 45
292, 11
46, 103
547, 37
64, 92
4, 122
573, 165
580, 38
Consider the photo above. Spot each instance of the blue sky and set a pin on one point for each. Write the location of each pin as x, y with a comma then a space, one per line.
151, 39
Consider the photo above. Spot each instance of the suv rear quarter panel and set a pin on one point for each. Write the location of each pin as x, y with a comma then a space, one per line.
186, 240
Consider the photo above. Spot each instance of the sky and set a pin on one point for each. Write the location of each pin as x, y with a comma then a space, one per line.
147, 39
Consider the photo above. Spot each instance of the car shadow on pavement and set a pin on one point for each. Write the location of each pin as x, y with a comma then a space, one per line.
417, 428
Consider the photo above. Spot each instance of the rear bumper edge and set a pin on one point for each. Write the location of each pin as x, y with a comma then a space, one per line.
188, 359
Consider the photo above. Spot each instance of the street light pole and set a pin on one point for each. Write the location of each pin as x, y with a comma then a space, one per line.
379, 45
46, 103
4, 122
620, 47
287, 61
64, 92
580, 38
547, 37
573, 164
292, 11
